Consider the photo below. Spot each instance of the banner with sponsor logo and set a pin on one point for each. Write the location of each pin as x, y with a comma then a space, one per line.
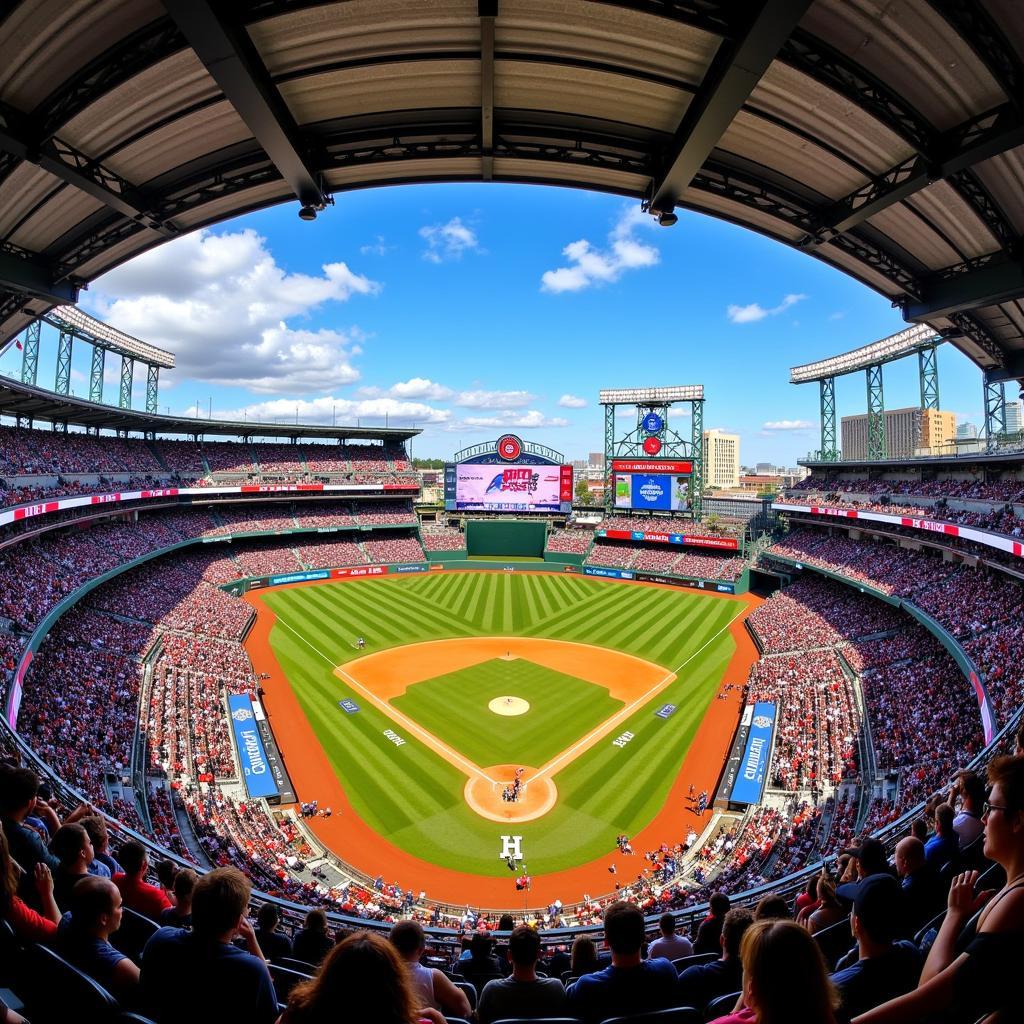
614, 574
757, 755
692, 540
259, 779
407, 568
358, 570
678, 467
298, 577
652, 492
504, 488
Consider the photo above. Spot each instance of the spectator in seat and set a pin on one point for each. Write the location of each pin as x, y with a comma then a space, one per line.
83, 936
967, 823
830, 909
18, 789
523, 994
1018, 741
709, 933
583, 956
785, 980
772, 908
274, 944
165, 872
431, 987
72, 848
944, 846
139, 895
807, 901
880, 967
921, 898
311, 942
983, 981
180, 915
98, 835
631, 984
28, 926
506, 923
481, 965
700, 984
199, 976
668, 944
362, 979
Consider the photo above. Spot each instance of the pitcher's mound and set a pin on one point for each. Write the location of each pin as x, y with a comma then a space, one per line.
537, 797
509, 706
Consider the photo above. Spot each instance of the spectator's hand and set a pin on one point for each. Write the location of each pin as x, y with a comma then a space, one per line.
81, 811
43, 880
963, 902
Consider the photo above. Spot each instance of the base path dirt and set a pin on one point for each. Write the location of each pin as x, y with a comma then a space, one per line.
356, 843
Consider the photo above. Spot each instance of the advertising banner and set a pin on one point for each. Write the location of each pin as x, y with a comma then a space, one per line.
655, 492
408, 568
503, 488
757, 755
298, 577
614, 574
259, 779
565, 487
676, 466
690, 540
359, 570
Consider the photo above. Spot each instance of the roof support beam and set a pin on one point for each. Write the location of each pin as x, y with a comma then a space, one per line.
233, 62
984, 285
488, 10
734, 72
961, 147
31, 276
73, 167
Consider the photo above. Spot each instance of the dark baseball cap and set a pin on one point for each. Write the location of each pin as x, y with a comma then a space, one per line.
878, 904
871, 854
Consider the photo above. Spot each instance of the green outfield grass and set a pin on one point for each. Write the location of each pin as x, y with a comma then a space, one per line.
411, 795
454, 707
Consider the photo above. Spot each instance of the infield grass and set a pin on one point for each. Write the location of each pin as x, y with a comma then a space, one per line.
411, 795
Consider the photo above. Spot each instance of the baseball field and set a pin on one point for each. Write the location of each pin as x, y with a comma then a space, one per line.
467, 677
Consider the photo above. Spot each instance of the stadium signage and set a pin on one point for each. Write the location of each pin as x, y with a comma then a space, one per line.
991, 540
614, 574
298, 577
651, 466
350, 707
408, 568
750, 779
358, 570
665, 711
259, 780
687, 539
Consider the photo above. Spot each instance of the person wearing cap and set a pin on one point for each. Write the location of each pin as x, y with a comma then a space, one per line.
882, 967
869, 859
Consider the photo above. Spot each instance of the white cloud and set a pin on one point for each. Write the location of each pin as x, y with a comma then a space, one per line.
377, 247
779, 425
448, 241
328, 409
572, 402
415, 387
529, 420
221, 303
754, 311
494, 399
838, 315
592, 266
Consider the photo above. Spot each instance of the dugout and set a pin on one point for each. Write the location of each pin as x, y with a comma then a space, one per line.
505, 538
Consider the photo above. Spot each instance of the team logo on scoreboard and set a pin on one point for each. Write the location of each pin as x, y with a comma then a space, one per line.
653, 423
241, 714
523, 480
509, 447
762, 722
652, 445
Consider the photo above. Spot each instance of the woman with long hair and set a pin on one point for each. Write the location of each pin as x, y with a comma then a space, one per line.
362, 979
785, 980
27, 924
973, 967
583, 956
830, 909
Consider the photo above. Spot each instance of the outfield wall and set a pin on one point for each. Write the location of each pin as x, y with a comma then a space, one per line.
506, 537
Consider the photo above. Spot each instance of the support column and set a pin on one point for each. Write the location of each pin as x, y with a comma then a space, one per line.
609, 454
62, 378
697, 446
829, 450
876, 414
152, 388
929, 370
99, 356
30, 354
127, 365
995, 410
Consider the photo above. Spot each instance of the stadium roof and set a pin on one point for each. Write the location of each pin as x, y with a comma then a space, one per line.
23, 400
885, 139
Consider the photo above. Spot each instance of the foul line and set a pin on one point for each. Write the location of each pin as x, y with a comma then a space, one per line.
607, 726
397, 716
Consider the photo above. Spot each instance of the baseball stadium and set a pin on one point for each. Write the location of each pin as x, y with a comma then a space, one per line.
322, 732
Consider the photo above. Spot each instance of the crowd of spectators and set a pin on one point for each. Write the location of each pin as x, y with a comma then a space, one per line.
570, 542
325, 553
393, 549
662, 558
971, 486
56, 453
447, 538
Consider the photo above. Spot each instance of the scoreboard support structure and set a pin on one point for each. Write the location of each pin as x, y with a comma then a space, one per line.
652, 437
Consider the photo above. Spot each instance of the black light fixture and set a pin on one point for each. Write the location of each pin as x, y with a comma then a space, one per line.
307, 212
667, 218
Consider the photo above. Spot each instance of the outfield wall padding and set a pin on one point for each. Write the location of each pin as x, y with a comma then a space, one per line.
505, 537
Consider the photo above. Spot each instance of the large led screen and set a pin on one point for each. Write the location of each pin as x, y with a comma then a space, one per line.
497, 488
652, 491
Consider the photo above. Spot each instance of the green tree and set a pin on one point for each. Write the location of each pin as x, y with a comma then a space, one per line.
582, 491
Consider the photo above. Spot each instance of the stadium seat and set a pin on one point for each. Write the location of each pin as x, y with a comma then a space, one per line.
133, 934
834, 941
721, 1006
470, 989
285, 979
683, 962
54, 990
131, 1018
302, 966
9, 951
677, 1015
538, 1020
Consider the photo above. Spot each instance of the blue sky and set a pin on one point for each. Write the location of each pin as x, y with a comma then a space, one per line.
469, 310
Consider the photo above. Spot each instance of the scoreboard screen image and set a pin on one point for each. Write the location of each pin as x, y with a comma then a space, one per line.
499, 487
659, 491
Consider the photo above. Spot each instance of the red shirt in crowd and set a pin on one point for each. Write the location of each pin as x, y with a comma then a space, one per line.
27, 924
142, 897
